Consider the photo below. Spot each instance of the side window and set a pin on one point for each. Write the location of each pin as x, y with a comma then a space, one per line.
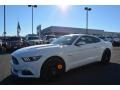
81, 39
88, 39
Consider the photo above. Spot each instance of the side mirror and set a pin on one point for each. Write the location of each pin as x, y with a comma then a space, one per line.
80, 43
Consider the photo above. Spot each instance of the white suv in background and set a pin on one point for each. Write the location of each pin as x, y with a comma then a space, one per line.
32, 39
63, 54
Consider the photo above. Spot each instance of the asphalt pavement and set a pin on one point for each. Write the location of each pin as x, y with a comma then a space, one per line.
92, 74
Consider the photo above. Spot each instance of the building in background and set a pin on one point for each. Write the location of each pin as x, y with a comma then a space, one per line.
58, 30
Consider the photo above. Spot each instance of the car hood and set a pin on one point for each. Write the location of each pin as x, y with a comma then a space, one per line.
37, 50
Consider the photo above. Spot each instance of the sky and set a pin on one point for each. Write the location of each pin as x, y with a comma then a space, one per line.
100, 17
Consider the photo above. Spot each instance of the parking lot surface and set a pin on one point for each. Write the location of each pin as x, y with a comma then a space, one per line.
92, 74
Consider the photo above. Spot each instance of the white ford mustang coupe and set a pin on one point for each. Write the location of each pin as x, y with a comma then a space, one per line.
63, 54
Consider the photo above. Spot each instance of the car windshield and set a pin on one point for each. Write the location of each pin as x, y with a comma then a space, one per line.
32, 38
65, 40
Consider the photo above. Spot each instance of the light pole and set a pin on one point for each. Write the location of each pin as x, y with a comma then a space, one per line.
87, 9
4, 33
32, 6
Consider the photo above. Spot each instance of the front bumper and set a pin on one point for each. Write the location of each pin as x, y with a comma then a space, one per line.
26, 69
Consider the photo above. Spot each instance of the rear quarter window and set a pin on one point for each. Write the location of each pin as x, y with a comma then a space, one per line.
95, 40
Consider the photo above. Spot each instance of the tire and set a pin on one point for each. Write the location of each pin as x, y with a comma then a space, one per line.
106, 56
52, 68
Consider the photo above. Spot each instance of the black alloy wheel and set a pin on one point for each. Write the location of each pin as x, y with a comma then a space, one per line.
52, 68
106, 57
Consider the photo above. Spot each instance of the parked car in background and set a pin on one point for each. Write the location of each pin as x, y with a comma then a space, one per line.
110, 39
33, 39
63, 54
106, 38
116, 41
12, 43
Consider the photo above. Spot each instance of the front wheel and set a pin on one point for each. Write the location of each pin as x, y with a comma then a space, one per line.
106, 57
52, 68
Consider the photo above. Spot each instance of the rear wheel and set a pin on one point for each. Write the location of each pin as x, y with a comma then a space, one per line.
106, 57
52, 68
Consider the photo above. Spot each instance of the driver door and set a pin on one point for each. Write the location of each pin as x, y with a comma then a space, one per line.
82, 52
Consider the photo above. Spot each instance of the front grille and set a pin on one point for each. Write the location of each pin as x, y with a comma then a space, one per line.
15, 61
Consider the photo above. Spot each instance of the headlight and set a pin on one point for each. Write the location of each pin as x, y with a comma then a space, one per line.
30, 59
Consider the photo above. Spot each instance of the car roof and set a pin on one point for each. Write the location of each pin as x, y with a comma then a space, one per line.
75, 34
80, 35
